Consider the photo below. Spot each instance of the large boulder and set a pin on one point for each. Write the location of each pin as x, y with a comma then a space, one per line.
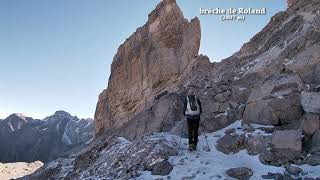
162, 168
241, 173
310, 101
307, 63
272, 157
315, 142
257, 144
230, 143
147, 63
222, 97
309, 123
293, 170
277, 101
288, 143
220, 120
314, 150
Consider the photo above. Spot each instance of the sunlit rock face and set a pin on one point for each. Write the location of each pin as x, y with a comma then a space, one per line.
150, 60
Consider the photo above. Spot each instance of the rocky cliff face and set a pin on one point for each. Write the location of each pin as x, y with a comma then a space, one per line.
261, 83
146, 64
26, 139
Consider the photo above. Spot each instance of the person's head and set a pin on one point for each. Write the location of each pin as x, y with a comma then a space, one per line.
190, 91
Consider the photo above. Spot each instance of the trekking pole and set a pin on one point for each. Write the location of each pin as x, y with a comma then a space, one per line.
205, 136
181, 136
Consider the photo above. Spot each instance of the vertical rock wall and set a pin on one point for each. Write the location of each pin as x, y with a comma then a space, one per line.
146, 63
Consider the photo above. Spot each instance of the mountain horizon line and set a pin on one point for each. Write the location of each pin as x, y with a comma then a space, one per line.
23, 115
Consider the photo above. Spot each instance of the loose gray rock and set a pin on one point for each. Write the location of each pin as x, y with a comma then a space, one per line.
230, 131
247, 127
309, 123
230, 143
163, 168
275, 176
271, 157
315, 142
293, 170
310, 101
256, 145
288, 143
314, 152
222, 97
242, 173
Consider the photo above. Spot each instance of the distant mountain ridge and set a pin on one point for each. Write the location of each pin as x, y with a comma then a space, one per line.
26, 139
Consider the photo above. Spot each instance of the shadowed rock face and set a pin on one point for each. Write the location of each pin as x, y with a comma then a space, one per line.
147, 62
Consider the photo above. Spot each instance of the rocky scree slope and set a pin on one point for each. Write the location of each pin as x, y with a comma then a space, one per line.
25, 139
159, 156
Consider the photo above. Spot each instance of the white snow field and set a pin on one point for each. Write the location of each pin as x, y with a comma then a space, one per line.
212, 165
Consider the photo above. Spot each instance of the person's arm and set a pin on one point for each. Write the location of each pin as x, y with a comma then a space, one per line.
184, 107
199, 105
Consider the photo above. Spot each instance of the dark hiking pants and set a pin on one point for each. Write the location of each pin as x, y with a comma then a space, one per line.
193, 126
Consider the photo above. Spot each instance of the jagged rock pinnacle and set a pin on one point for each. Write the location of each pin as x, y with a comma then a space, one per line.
149, 60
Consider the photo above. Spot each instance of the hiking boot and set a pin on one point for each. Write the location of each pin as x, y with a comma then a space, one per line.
194, 147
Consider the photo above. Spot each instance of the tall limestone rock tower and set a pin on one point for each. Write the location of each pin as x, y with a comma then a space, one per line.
147, 62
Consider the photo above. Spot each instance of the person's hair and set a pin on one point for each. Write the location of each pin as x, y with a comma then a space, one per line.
190, 91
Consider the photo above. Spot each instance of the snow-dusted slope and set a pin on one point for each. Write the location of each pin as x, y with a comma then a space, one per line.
118, 158
212, 165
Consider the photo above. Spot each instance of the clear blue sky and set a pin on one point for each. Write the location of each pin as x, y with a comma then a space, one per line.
56, 54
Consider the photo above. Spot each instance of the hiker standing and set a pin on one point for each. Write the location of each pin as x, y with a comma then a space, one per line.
192, 111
